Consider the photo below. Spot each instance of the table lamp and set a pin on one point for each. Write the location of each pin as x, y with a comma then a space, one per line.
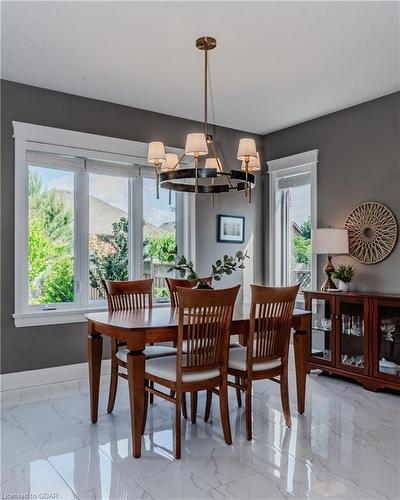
329, 241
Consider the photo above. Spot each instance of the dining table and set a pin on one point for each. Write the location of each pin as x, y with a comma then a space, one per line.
139, 327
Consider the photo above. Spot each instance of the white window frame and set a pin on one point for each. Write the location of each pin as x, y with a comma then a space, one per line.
29, 137
281, 167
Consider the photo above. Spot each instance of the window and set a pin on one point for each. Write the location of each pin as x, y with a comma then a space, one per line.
159, 236
51, 237
83, 216
109, 217
292, 216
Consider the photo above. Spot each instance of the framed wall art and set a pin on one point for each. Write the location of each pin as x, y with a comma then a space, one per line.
230, 229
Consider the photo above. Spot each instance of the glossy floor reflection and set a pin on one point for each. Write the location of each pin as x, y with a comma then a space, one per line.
347, 445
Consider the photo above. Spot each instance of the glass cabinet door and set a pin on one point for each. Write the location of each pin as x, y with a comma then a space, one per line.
321, 324
388, 327
351, 332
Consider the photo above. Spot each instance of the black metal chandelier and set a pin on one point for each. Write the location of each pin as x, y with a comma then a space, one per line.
211, 178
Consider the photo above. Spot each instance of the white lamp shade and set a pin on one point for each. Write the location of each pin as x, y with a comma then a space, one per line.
330, 241
156, 152
254, 164
213, 163
170, 162
196, 144
247, 149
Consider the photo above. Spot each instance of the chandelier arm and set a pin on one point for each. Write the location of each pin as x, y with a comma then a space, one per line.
179, 161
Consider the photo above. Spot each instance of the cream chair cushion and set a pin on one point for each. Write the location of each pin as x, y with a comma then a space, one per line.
151, 351
166, 368
238, 361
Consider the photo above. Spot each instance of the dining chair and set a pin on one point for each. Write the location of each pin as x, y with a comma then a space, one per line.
126, 296
267, 351
173, 284
205, 318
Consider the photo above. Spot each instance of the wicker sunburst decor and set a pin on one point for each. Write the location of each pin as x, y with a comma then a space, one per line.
372, 231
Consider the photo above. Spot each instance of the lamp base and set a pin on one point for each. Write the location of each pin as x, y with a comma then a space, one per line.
328, 270
328, 285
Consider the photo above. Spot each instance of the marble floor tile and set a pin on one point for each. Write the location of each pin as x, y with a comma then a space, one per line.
255, 487
179, 482
345, 446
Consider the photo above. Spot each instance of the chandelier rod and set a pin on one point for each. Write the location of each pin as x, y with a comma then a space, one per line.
205, 92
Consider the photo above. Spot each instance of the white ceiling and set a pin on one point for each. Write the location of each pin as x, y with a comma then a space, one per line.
276, 63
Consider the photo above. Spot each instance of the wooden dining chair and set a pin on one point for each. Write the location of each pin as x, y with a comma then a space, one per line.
266, 354
126, 296
205, 318
173, 285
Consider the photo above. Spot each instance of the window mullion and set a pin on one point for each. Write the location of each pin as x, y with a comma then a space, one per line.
82, 238
135, 225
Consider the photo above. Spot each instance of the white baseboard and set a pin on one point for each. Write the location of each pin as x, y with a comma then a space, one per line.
34, 378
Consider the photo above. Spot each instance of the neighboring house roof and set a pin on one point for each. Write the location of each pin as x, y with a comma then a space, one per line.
102, 215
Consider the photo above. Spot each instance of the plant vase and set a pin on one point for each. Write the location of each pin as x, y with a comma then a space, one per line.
344, 286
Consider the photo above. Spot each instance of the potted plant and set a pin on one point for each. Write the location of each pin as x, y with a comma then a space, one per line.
345, 275
226, 265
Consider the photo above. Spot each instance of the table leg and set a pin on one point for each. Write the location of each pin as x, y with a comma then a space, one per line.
136, 367
300, 356
95, 349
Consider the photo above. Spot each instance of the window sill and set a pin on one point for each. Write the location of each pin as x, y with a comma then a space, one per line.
58, 317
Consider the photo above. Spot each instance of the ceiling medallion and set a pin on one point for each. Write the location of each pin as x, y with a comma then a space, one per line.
209, 177
372, 230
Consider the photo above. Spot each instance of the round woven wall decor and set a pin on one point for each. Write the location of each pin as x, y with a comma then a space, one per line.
372, 232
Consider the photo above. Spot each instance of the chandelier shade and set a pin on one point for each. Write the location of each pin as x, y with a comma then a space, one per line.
213, 163
196, 144
247, 149
156, 152
253, 165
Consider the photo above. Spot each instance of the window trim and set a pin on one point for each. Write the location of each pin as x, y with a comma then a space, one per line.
298, 163
30, 137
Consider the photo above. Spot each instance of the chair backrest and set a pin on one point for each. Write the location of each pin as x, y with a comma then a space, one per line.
270, 322
174, 283
128, 295
205, 318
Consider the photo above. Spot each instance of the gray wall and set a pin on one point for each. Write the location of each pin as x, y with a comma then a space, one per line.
46, 346
359, 161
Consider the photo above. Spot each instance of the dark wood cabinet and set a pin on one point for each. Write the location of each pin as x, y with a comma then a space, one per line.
356, 335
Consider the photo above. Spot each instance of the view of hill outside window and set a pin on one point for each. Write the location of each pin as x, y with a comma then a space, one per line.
159, 234
51, 236
108, 232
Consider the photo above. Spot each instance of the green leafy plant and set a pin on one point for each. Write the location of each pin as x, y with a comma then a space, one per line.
162, 247
344, 273
226, 265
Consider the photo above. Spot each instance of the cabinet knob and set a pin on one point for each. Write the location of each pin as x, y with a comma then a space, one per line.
336, 316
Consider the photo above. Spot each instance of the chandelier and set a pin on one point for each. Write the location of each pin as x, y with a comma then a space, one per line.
209, 176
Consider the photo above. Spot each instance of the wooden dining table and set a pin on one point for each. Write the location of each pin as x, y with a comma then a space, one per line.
160, 324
